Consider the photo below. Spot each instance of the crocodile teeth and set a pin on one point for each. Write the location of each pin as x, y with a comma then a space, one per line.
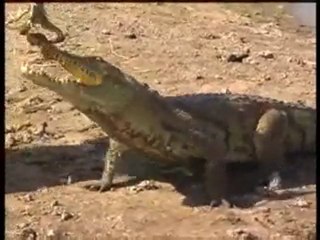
24, 68
41, 70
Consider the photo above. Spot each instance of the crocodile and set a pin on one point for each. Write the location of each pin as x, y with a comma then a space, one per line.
204, 131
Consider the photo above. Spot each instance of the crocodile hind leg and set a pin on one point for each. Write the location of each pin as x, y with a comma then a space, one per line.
114, 153
39, 16
269, 140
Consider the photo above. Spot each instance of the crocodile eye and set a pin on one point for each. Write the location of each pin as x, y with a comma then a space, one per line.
88, 72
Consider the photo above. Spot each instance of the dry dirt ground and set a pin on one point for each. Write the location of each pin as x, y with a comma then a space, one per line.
175, 48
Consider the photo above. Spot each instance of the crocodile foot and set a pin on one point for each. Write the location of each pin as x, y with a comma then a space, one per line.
220, 203
35, 14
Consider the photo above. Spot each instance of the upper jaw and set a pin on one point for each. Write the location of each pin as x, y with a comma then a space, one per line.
39, 75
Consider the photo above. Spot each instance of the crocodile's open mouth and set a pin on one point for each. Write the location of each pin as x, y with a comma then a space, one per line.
40, 76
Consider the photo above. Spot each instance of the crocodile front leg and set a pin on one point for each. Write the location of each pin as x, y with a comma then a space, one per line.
114, 153
269, 140
215, 181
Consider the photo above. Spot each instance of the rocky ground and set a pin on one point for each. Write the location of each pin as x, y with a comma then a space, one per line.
176, 49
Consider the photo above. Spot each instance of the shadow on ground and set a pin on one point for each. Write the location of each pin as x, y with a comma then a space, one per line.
43, 166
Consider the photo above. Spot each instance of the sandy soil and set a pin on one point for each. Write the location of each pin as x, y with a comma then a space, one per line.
175, 48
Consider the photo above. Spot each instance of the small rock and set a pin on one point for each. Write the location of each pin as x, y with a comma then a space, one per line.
284, 76
266, 78
243, 40
210, 36
51, 233
199, 77
237, 57
301, 62
55, 203
106, 32
218, 77
266, 54
290, 59
85, 28
131, 36
65, 216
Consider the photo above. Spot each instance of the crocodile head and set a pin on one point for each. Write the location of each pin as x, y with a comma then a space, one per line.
95, 82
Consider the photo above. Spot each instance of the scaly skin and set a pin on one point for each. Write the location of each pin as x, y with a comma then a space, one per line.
216, 128
129, 113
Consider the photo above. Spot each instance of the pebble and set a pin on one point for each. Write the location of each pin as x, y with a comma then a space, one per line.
131, 36
55, 203
266, 54
51, 233
106, 32
210, 36
65, 216
199, 77
237, 57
